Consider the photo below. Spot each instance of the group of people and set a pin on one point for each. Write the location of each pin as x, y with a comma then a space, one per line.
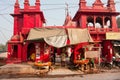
63, 53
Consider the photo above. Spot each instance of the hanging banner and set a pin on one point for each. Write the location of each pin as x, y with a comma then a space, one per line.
113, 36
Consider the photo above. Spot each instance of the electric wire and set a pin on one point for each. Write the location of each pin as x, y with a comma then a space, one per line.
58, 8
11, 5
8, 5
55, 4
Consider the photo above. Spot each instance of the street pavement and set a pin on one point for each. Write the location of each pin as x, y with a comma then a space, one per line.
101, 76
55, 74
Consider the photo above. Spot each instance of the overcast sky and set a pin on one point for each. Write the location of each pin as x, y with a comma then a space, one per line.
54, 12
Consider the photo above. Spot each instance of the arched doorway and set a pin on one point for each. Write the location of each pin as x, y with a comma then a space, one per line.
31, 52
14, 51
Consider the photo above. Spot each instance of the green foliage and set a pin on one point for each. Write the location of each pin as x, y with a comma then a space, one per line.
3, 48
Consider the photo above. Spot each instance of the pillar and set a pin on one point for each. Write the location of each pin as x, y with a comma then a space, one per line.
19, 52
103, 22
38, 21
15, 25
37, 3
83, 21
94, 21
24, 52
114, 23
26, 4
9, 51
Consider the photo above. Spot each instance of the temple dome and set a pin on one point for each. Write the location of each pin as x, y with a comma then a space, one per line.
15, 37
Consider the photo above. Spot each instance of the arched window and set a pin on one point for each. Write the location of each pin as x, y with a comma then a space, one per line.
107, 22
98, 23
90, 21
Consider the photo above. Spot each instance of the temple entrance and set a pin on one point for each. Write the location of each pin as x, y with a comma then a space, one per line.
14, 51
31, 52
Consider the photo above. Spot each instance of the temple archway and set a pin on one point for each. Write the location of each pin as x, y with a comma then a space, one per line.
99, 22
107, 22
31, 52
90, 21
14, 51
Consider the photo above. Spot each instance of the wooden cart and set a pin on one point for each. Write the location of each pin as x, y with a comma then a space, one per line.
92, 53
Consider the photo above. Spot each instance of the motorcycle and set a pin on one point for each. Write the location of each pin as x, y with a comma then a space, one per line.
116, 62
106, 64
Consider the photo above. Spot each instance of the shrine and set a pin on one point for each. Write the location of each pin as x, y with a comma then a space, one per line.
30, 37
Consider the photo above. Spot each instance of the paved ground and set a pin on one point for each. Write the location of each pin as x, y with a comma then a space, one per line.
27, 72
102, 76
60, 73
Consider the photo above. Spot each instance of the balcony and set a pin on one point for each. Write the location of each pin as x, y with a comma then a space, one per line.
101, 30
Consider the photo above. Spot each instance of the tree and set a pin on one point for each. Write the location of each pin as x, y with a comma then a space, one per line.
3, 48
118, 22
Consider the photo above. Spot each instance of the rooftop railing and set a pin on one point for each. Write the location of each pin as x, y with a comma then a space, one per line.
101, 30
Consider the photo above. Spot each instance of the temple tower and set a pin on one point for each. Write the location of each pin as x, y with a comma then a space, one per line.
28, 17
16, 13
111, 5
32, 16
82, 4
24, 19
98, 4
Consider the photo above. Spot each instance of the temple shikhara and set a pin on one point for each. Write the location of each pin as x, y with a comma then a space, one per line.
91, 33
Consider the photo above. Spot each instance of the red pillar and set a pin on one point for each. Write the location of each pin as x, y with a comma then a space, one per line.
25, 23
94, 21
114, 23
38, 21
24, 52
15, 25
103, 21
9, 51
108, 50
19, 52
83, 21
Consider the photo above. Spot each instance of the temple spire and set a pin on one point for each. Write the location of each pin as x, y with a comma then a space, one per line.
82, 4
17, 3
16, 7
26, 4
27, 1
111, 5
37, 3
66, 9
68, 19
98, 4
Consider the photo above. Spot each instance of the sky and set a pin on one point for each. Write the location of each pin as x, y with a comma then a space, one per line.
54, 13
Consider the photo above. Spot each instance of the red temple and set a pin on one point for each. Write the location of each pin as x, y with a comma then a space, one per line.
98, 19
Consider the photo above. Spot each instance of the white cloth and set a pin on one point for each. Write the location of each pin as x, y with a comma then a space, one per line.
78, 35
56, 37
57, 41
38, 33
